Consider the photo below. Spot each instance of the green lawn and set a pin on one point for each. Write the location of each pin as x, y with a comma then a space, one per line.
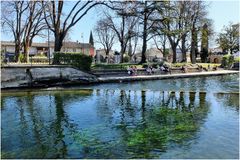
205, 65
114, 66
126, 65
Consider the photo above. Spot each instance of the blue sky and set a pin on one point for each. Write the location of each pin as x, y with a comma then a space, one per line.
222, 12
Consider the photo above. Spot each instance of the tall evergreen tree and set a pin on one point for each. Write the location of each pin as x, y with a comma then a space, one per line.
91, 41
204, 44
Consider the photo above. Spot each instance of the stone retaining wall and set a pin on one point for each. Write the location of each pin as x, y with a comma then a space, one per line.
17, 77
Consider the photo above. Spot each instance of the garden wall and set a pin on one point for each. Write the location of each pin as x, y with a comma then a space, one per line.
17, 77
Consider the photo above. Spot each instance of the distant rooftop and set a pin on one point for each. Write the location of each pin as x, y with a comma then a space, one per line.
65, 44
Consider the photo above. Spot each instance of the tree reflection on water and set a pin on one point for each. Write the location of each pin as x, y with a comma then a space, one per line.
129, 124
151, 125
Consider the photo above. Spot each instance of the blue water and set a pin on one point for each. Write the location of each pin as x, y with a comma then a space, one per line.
177, 118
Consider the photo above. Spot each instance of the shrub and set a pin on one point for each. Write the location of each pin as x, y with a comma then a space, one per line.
237, 59
227, 61
161, 63
126, 59
155, 65
144, 65
21, 57
3, 60
79, 60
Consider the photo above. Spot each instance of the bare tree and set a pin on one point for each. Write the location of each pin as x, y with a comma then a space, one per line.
161, 42
25, 21
182, 20
133, 41
122, 22
148, 19
172, 24
60, 23
106, 36
33, 26
12, 21
185, 12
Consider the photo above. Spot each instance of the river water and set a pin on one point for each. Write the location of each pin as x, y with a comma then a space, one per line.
175, 118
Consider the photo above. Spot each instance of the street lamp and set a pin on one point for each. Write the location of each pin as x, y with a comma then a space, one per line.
82, 43
48, 48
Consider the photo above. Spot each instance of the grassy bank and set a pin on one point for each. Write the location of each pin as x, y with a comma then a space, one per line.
123, 66
114, 66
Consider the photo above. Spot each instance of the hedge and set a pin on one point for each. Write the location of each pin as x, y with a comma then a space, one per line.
227, 61
79, 60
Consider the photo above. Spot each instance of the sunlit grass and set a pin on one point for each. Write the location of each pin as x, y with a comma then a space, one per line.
139, 66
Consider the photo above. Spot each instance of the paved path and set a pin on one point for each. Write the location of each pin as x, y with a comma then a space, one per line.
165, 76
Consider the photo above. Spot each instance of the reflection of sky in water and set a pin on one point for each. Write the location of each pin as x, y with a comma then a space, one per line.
112, 121
209, 84
218, 137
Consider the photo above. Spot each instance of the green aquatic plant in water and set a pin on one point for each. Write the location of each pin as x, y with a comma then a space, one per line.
164, 126
125, 129
89, 143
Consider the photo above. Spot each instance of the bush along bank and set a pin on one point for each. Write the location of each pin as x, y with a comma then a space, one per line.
78, 60
227, 61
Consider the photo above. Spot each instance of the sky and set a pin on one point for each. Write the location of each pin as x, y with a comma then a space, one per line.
221, 12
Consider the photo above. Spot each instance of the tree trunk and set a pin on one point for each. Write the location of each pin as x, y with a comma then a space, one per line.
174, 50
59, 37
193, 46
164, 50
26, 50
17, 50
107, 54
184, 51
58, 44
144, 47
196, 43
122, 52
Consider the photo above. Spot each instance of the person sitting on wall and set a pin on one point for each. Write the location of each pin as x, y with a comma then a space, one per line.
148, 70
184, 69
152, 69
134, 70
130, 70
215, 68
200, 68
209, 67
164, 68
168, 69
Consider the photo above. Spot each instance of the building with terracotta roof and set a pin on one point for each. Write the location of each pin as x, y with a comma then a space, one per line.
42, 48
